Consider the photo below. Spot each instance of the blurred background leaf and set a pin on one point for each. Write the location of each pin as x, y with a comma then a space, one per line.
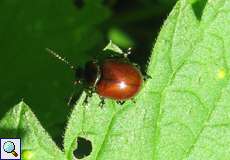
79, 30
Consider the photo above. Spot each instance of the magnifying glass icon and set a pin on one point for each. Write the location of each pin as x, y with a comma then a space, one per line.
9, 147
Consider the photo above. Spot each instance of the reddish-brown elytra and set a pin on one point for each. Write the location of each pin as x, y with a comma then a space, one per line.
113, 78
120, 80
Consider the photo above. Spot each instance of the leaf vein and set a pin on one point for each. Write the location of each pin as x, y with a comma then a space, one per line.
105, 139
205, 122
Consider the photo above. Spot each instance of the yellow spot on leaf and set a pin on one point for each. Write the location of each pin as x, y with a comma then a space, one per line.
221, 73
27, 155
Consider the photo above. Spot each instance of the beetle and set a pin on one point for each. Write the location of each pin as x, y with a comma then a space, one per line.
113, 78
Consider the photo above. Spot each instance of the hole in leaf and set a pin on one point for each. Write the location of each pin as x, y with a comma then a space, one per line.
198, 8
79, 3
84, 148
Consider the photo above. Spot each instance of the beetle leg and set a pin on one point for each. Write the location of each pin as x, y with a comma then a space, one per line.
102, 102
127, 53
90, 92
136, 65
133, 100
85, 102
73, 97
120, 102
146, 77
72, 100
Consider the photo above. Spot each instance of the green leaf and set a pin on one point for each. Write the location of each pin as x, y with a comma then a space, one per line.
183, 112
120, 38
113, 47
36, 143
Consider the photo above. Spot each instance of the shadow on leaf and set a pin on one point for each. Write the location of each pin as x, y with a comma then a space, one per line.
198, 8
12, 133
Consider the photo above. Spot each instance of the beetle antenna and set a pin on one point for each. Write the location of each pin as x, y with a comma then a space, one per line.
60, 58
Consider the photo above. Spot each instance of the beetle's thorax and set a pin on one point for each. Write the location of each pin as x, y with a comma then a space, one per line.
92, 74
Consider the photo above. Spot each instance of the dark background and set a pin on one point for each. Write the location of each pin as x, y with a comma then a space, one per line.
78, 30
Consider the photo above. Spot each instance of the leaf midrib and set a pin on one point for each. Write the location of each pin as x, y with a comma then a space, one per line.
19, 121
105, 139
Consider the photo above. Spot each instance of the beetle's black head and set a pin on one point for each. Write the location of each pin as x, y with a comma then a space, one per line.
89, 76
79, 78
